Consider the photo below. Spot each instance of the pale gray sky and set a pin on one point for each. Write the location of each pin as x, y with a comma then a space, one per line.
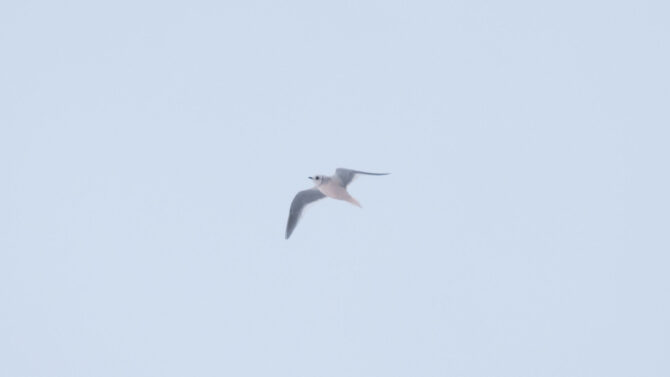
149, 152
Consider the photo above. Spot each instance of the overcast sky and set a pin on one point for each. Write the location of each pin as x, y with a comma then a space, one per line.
149, 152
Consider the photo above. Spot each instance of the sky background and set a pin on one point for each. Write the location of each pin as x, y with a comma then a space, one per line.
149, 152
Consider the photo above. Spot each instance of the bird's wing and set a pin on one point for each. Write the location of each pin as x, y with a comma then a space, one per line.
347, 175
299, 202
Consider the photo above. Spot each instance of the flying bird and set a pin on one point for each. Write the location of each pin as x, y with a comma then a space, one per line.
334, 187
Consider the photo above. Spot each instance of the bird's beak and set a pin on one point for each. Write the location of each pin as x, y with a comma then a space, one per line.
310, 177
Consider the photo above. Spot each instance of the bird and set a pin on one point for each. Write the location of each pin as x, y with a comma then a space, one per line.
334, 186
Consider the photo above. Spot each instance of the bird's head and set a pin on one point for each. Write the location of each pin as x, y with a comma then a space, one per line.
318, 179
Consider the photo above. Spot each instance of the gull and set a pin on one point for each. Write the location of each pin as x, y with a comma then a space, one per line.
334, 187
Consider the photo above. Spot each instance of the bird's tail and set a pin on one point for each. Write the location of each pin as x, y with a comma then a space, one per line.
353, 201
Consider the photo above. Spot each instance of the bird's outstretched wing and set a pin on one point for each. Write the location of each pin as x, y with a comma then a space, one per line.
347, 175
299, 202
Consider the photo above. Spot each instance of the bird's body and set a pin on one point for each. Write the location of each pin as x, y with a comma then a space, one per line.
324, 186
332, 188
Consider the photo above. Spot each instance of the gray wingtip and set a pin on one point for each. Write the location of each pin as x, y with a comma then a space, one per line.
375, 173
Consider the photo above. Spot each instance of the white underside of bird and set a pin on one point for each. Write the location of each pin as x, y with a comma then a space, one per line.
334, 190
